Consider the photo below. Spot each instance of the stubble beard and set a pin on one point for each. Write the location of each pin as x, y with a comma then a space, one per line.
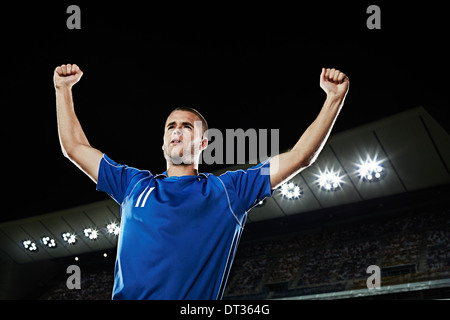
183, 156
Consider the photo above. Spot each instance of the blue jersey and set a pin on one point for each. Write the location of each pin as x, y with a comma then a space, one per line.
178, 235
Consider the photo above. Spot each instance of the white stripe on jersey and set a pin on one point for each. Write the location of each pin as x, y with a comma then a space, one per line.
146, 196
139, 199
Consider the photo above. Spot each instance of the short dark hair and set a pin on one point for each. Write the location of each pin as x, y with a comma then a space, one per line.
194, 111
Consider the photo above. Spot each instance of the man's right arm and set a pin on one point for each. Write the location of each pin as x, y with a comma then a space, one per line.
74, 143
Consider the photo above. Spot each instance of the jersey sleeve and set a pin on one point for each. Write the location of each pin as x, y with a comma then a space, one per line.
115, 179
252, 185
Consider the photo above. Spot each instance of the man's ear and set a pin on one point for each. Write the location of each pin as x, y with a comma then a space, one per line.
204, 143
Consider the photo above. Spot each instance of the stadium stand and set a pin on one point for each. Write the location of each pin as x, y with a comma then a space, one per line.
412, 247
96, 285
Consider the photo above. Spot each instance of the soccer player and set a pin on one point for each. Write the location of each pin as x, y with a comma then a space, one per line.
180, 229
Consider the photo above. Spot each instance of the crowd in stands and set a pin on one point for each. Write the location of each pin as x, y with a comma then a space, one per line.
337, 258
438, 253
330, 258
95, 285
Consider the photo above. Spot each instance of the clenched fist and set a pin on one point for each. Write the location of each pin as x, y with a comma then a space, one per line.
66, 76
334, 82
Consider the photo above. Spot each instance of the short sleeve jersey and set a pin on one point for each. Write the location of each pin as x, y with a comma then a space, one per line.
178, 235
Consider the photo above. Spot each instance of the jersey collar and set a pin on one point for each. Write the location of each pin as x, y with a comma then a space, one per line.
164, 175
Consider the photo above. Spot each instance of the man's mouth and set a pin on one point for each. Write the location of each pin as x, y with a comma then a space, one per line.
175, 141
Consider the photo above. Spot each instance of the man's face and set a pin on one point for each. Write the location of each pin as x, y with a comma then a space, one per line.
183, 141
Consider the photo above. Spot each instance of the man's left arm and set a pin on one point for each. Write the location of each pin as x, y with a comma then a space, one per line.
286, 165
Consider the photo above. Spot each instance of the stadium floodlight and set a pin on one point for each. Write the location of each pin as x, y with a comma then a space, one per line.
291, 191
68, 237
370, 170
329, 181
49, 242
113, 228
29, 245
90, 233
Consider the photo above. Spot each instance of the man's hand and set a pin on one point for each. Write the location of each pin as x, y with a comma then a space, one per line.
334, 82
66, 76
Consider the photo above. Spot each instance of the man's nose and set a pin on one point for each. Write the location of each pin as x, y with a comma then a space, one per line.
177, 132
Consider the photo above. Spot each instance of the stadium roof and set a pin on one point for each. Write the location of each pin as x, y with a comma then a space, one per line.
411, 147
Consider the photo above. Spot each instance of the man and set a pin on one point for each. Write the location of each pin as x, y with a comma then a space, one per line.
180, 229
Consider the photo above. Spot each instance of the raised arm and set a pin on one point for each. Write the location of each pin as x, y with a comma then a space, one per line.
286, 165
74, 143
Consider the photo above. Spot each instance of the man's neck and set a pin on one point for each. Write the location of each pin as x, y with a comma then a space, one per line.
182, 170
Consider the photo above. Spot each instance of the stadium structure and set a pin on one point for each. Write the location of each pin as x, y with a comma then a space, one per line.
377, 195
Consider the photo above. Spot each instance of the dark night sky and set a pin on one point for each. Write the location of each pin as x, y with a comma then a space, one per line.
253, 67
